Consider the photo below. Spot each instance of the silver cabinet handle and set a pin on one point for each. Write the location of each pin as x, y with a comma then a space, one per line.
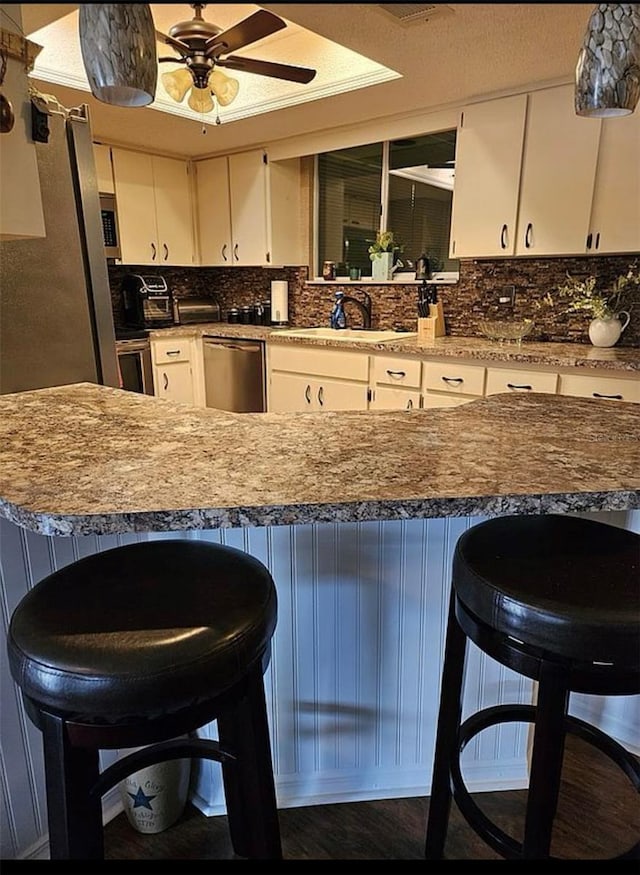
398, 374
516, 386
410, 404
224, 251
615, 397
307, 394
235, 253
153, 252
503, 237
321, 396
172, 352
527, 236
166, 251
166, 380
452, 379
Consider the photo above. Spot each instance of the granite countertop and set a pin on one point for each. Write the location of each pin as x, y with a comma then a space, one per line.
624, 360
88, 459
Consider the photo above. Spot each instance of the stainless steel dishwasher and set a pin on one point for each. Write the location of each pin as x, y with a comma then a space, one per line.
234, 374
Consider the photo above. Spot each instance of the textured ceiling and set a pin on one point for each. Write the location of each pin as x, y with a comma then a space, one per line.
476, 49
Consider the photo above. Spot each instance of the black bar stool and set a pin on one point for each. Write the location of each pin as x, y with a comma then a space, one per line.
137, 645
557, 599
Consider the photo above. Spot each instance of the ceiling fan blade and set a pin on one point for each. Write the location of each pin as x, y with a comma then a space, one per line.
253, 28
267, 68
176, 44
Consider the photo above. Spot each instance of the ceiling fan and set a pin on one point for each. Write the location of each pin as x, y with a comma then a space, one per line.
204, 47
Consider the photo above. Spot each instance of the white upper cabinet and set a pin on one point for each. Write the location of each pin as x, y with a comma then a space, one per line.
154, 208
104, 172
213, 211
248, 210
534, 179
485, 195
558, 175
615, 216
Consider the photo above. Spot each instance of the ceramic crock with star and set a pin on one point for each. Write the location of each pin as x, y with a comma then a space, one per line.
154, 798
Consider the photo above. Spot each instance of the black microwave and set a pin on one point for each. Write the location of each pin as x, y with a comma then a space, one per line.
109, 226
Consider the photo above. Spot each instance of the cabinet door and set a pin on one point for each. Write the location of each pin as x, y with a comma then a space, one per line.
173, 382
339, 395
135, 198
485, 195
248, 196
214, 211
173, 211
290, 393
104, 173
615, 216
388, 398
558, 175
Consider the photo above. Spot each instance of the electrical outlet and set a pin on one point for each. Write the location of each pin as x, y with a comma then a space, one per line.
507, 296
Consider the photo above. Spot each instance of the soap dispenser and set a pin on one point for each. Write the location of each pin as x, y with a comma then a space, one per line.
338, 317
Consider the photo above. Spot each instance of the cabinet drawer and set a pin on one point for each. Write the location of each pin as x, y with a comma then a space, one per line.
397, 371
505, 380
614, 388
321, 362
454, 378
388, 398
445, 399
178, 350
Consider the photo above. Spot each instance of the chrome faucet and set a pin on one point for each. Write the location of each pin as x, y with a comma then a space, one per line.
363, 306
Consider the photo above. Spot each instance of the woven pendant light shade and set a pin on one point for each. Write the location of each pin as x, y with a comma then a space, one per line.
608, 68
118, 44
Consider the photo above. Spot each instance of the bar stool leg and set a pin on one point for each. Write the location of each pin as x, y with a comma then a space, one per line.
546, 761
449, 717
248, 781
75, 818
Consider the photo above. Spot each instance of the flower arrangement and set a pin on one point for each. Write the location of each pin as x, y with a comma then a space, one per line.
584, 295
384, 242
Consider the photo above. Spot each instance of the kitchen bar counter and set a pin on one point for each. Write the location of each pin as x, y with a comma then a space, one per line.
87, 459
625, 360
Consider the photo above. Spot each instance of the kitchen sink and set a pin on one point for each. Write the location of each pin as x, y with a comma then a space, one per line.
357, 335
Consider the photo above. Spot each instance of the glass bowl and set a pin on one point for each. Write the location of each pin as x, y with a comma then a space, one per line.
506, 329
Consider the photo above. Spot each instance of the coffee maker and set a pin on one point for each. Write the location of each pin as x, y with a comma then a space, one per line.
147, 301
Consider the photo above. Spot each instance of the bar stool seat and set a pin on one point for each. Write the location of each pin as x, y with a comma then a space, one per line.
556, 599
137, 645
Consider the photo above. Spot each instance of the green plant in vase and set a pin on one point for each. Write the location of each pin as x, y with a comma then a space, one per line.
382, 253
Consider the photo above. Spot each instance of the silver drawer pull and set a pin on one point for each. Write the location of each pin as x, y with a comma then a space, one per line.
615, 397
453, 379
516, 386
173, 352
398, 374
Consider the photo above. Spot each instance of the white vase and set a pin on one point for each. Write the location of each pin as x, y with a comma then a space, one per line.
606, 332
381, 266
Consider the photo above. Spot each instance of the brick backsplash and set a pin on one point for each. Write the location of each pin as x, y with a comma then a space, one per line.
464, 303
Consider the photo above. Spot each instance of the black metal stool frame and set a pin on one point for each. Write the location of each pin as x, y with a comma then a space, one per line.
556, 679
75, 786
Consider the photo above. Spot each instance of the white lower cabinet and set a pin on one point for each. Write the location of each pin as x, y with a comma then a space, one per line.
522, 381
607, 388
449, 383
177, 370
388, 398
292, 393
315, 379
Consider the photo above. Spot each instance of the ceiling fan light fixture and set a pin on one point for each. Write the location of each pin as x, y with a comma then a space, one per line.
177, 83
118, 45
224, 87
200, 100
607, 80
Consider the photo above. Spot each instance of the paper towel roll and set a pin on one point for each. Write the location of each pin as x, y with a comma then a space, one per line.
279, 302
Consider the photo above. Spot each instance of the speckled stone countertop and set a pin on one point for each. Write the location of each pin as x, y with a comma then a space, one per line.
562, 355
87, 459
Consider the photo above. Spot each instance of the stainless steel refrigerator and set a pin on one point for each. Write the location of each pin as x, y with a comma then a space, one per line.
56, 318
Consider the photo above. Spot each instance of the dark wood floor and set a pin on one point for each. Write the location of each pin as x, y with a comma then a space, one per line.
598, 817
